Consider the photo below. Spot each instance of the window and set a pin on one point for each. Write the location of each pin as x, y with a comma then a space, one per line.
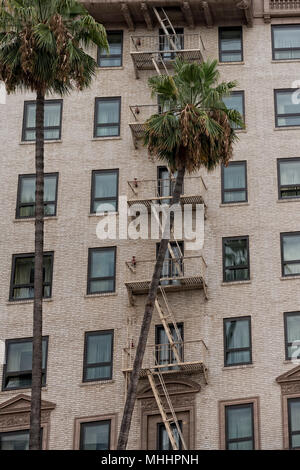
294, 422
230, 44
286, 41
107, 117
26, 195
18, 366
22, 282
114, 57
287, 112
102, 270
104, 191
234, 182
237, 341
172, 267
98, 356
290, 253
292, 335
95, 435
239, 427
289, 178
166, 45
236, 259
236, 101
164, 352
166, 183
17, 440
164, 442
52, 120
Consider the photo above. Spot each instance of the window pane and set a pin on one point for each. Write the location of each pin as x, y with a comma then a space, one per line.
231, 40
286, 38
236, 252
293, 334
108, 112
285, 104
289, 121
234, 101
295, 415
109, 205
14, 441
115, 49
105, 184
52, 114
291, 54
103, 263
102, 286
244, 445
27, 190
27, 211
95, 436
19, 356
24, 274
99, 348
291, 248
235, 196
52, 118
231, 57
234, 176
102, 372
107, 131
239, 422
30, 121
290, 172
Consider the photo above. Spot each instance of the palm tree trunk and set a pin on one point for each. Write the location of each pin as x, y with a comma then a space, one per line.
35, 415
132, 389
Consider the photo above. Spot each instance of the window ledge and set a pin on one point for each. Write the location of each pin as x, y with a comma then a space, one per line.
284, 61
231, 63
239, 366
119, 67
13, 391
287, 128
29, 301
96, 382
96, 139
106, 294
32, 219
290, 278
233, 283
290, 199
233, 204
101, 214
32, 142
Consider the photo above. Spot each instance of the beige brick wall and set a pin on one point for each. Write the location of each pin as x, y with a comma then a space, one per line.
70, 313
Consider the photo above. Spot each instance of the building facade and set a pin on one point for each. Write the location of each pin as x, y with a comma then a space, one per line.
238, 305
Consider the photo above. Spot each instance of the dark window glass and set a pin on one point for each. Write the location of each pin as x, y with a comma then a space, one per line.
294, 422
102, 270
165, 184
107, 117
292, 335
164, 352
164, 442
26, 195
230, 45
23, 276
52, 120
239, 427
234, 182
286, 41
287, 109
167, 42
98, 356
114, 57
236, 259
18, 367
95, 435
290, 246
104, 191
172, 266
237, 339
16, 440
289, 178
235, 101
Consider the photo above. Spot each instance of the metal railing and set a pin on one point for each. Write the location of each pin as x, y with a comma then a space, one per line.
284, 4
160, 356
163, 44
142, 112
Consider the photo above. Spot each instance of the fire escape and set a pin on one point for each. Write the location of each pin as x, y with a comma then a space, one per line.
183, 272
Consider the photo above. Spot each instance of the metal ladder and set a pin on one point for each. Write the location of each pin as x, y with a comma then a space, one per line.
166, 26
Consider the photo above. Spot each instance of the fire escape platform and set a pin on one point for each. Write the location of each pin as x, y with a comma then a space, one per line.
140, 287
172, 369
184, 199
142, 60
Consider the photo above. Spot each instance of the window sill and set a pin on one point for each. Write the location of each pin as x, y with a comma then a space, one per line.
287, 128
290, 199
234, 283
101, 214
240, 366
106, 294
96, 382
97, 139
32, 219
290, 278
234, 204
231, 63
29, 301
119, 67
32, 142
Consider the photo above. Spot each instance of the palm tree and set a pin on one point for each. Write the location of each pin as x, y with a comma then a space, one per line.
195, 130
43, 49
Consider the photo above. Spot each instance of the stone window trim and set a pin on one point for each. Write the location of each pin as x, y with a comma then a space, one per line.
256, 413
89, 419
15, 416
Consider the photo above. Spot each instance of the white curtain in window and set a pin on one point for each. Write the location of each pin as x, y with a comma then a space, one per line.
290, 173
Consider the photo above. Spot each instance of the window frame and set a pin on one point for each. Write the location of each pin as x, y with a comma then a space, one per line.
291, 433
287, 344
282, 235
224, 239
110, 124
94, 199
113, 56
25, 112
223, 190
242, 439
230, 28
98, 364
5, 374
106, 278
19, 205
286, 187
282, 49
91, 423
277, 116
15, 286
226, 350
